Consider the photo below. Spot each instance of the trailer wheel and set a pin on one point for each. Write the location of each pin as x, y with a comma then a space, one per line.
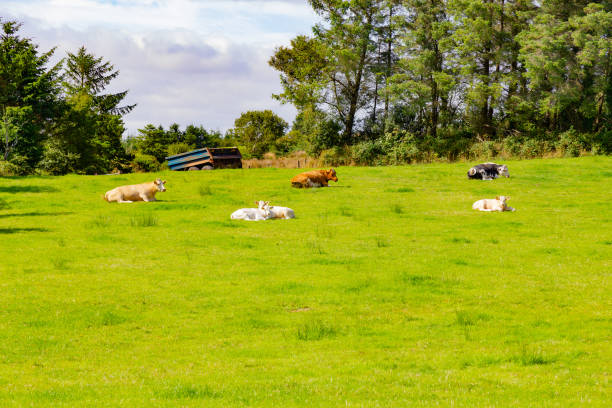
193, 168
207, 167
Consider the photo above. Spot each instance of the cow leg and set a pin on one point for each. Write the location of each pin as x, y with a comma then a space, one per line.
121, 200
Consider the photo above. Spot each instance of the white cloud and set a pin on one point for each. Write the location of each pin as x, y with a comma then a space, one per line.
184, 61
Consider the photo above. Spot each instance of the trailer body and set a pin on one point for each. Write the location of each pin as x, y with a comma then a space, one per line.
207, 158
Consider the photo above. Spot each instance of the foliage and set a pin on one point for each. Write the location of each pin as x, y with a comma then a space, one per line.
87, 76
8, 169
57, 160
145, 163
178, 148
259, 131
29, 93
461, 76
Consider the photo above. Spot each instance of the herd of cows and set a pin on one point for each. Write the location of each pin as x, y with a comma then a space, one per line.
309, 179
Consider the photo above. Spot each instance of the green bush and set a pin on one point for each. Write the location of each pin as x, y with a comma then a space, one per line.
512, 145
8, 169
484, 150
570, 143
405, 150
145, 163
451, 143
57, 161
533, 148
370, 152
292, 141
602, 142
336, 156
326, 136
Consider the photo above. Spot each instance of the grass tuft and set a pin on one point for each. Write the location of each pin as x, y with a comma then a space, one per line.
189, 392
397, 208
381, 242
204, 190
456, 240
109, 318
144, 220
345, 211
102, 221
60, 264
416, 280
401, 190
315, 330
529, 357
468, 318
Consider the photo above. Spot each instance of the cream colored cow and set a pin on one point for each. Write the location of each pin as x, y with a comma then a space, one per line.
135, 192
283, 213
488, 204
261, 213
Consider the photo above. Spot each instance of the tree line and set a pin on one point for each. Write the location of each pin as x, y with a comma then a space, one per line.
402, 80
377, 82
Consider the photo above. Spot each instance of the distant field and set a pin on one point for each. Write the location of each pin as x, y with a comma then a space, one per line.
387, 290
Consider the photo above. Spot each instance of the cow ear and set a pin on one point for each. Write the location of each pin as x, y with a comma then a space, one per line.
164, 181
497, 198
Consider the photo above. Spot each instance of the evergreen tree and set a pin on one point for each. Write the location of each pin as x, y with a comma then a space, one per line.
29, 94
91, 127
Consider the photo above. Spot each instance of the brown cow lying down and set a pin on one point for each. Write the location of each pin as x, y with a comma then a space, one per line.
135, 192
314, 178
487, 204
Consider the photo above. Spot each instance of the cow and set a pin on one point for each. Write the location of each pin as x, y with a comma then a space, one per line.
261, 213
497, 204
488, 171
284, 213
136, 192
314, 178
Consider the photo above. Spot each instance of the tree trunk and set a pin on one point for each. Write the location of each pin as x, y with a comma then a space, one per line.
354, 98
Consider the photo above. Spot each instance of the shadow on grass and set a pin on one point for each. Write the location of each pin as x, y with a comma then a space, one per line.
36, 214
27, 189
19, 230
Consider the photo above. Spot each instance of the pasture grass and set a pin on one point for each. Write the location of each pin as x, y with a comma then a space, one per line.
386, 290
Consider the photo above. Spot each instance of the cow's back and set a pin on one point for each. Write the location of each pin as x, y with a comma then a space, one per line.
130, 193
314, 178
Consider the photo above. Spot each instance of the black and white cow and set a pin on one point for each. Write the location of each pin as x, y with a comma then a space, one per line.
488, 171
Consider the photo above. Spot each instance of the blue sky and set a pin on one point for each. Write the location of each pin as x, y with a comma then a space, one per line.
201, 62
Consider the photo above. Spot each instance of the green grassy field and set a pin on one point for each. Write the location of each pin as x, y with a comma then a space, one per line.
387, 290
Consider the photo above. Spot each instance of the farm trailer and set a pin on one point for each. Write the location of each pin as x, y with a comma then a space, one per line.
207, 158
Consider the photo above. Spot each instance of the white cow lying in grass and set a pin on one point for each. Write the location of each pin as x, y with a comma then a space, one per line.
281, 212
135, 192
261, 213
497, 204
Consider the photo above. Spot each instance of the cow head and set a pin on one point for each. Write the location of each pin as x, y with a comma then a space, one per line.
503, 170
264, 207
331, 175
159, 183
502, 200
